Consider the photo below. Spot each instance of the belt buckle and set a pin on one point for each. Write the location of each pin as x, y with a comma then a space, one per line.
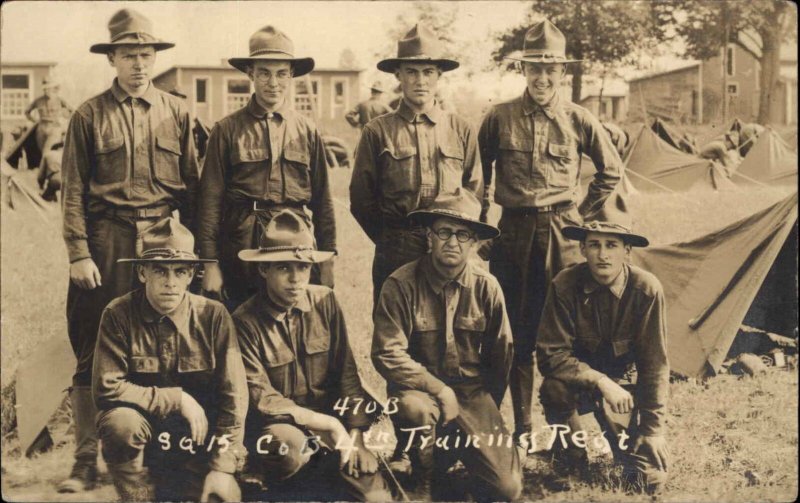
256, 208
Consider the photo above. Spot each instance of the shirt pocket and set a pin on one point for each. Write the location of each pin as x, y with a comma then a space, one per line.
111, 157
563, 163
426, 344
278, 363
451, 164
195, 370
249, 168
398, 174
469, 337
586, 345
145, 364
167, 159
297, 174
515, 156
318, 355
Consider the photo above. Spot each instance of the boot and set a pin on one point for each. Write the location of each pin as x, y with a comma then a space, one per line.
422, 468
570, 463
84, 472
132, 481
521, 384
400, 462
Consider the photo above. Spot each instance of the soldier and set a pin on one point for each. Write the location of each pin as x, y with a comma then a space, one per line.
261, 160
368, 110
535, 143
299, 365
723, 149
442, 341
603, 321
409, 156
48, 111
128, 162
169, 381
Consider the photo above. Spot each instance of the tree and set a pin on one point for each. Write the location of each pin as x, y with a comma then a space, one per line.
438, 16
605, 34
708, 26
347, 59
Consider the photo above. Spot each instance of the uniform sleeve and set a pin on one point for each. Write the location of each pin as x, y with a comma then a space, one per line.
270, 405
321, 204
352, 117
66, 107
473, 177
554, 346
652, 366
497, 349
364, 185
393, 325
190, 172
31, 108
212, 190
76, 165
110, 384
597, 145
232, 396
488, 144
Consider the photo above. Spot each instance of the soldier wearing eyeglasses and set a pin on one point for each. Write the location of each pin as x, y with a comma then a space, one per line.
442, 341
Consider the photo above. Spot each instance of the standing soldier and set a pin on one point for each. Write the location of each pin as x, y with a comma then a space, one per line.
48, 111
261, 160
409, 156
535, 143
368, 110
128, 162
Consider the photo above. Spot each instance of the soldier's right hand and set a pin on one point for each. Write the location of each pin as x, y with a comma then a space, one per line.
195, 416
85, 274
618, 398
448, 403
212, 278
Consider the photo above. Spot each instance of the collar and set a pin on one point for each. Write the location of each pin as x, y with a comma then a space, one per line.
259, 112
549, 109
436, 281
179, 317
405, 112
617, 287
121, 95
279, 314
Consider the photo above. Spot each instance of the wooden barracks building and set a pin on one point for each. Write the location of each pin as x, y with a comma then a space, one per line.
20, 84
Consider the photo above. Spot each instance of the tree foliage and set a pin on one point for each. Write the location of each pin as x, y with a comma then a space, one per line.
438, 16
605, 33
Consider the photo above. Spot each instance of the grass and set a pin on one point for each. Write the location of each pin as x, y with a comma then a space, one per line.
731, 439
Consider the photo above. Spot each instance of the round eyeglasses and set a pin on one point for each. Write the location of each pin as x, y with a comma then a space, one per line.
461, 236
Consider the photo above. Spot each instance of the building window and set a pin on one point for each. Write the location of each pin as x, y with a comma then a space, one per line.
730, 67
733, 89
16, 95
338, 93
339, 96
200, 90
237, 94
302, 99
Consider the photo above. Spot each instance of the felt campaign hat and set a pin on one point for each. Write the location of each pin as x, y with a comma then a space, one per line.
461, 205
49, 83
167, 241
611, 218
271, 44
544, 43
128, 27
377, 86
178, 91
420, 45
286, 238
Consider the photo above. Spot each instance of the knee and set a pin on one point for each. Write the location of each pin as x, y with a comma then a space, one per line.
283, 449
556, 395
417, 409
124, 432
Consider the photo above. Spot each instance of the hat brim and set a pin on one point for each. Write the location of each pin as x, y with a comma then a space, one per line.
577, 233
536, 59
427, 217
390, 65
312, 257
166, 260
106, 47
300, 66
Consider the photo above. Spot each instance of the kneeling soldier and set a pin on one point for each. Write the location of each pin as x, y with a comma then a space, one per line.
442, 341
299, 364
602, 319
169, 381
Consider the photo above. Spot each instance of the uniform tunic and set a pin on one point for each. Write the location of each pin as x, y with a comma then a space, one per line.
366, 111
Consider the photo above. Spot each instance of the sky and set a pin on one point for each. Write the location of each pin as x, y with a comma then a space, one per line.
208, 32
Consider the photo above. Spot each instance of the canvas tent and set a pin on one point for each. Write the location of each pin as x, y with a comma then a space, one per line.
673, 137
588, 171
25, 144
655, 165
771, 161
743, 273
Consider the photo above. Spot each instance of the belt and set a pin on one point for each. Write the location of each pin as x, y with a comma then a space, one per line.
259, 205
139, 213
533, 210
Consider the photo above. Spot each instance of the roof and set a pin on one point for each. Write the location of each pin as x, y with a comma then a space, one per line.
612, 88
5, 64
677, 67
228, 67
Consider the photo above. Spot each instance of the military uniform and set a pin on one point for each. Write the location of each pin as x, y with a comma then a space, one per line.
51, 111
366, 111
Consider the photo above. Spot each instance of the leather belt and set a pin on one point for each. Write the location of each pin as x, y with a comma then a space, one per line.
140, 213
270, 206
533, 210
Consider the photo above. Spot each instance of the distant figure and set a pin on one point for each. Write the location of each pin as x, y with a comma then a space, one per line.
748, 135
369, 109
618, 136
724, 150
47, 111
49, 177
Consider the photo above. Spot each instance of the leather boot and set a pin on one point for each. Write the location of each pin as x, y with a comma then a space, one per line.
84, 472
132, 481
521, 384
400, 462
570, 463
422, 468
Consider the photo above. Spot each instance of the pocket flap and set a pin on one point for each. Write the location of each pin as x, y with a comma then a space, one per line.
278, 357
296, 156
249, 155
587, 343
451, 150
559, 150
519, 143
471, 323
145, 364
106, 145
318, 344
194, 363
169, 145
401, 152
621, 347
